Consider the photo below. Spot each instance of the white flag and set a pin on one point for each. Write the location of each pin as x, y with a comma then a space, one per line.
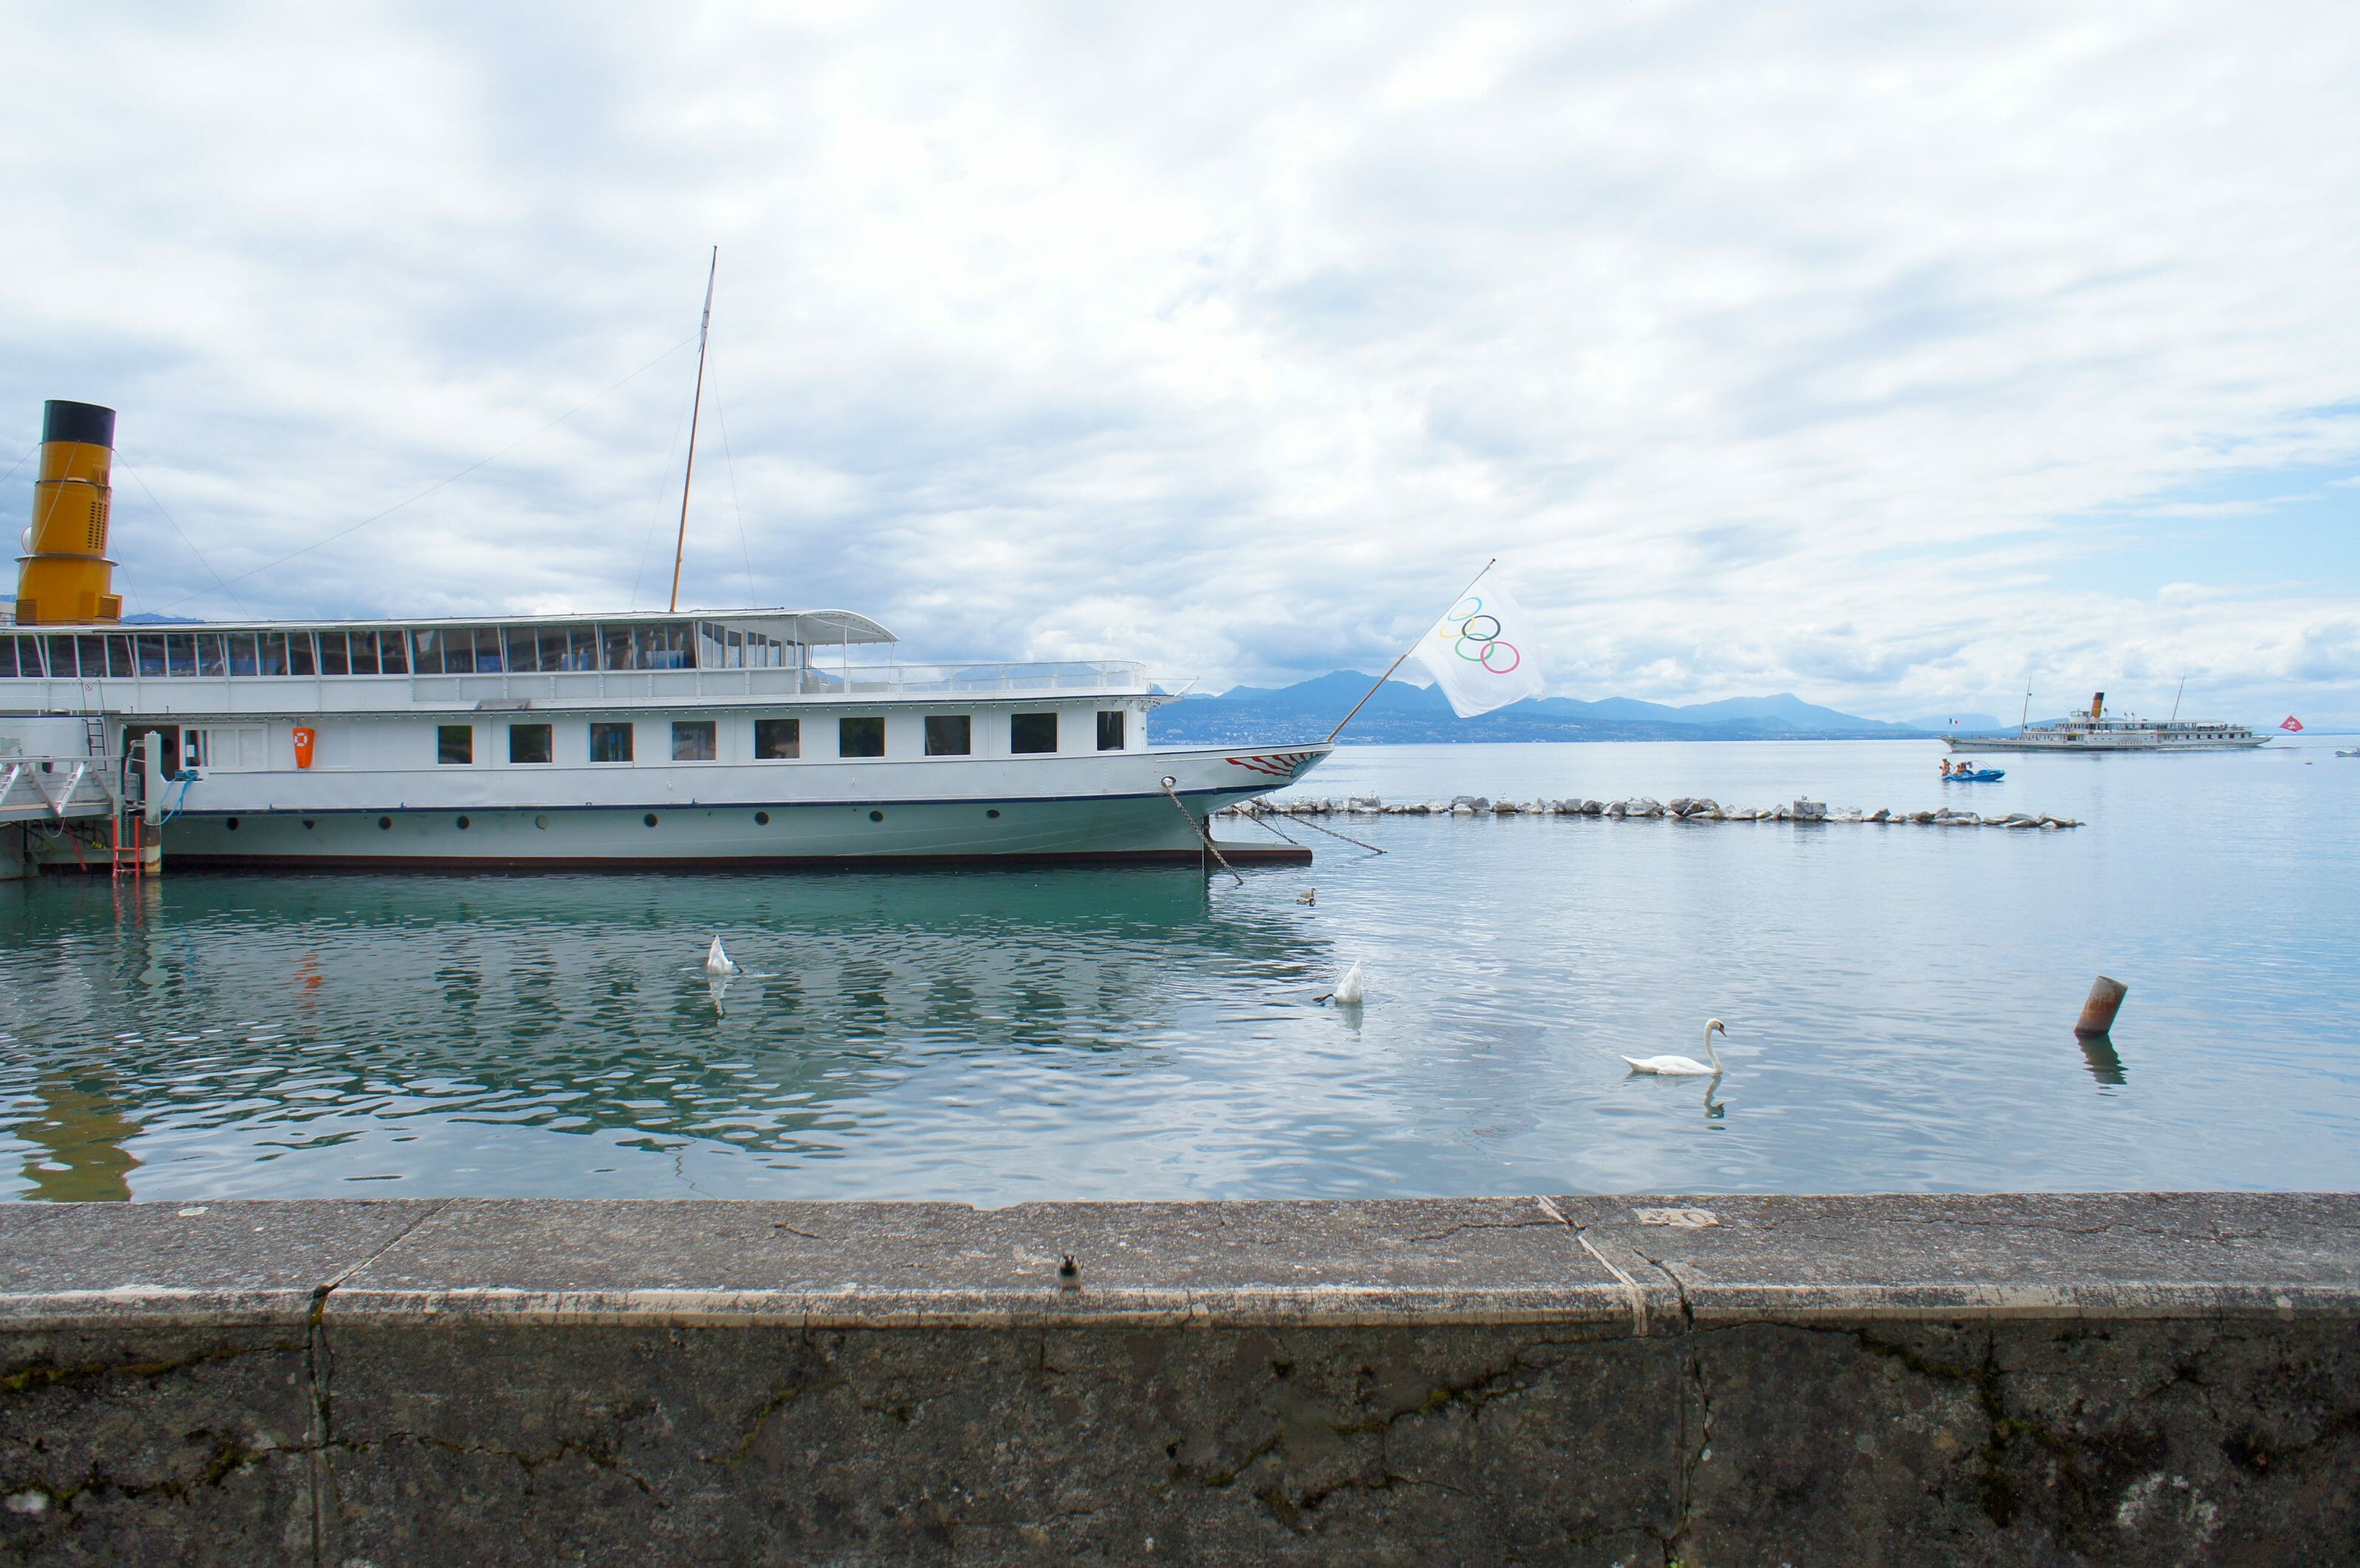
1480, 653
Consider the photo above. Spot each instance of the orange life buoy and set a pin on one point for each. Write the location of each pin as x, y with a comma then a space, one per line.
304, 736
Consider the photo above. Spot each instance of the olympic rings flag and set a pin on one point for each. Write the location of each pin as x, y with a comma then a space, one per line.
1481, 653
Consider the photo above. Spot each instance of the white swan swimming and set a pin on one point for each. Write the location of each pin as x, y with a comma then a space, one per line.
716, 961
1684, 1067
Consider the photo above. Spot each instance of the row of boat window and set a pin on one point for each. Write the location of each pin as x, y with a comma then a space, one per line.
423, 651
775, 739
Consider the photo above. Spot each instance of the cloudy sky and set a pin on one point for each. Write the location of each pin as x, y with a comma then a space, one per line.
1888, 354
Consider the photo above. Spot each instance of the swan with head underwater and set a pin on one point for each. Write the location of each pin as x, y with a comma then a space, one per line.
1685, 1066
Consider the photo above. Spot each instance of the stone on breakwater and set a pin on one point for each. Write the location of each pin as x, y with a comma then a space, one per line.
2126, 1378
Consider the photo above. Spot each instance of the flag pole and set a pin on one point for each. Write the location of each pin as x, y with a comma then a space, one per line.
1405, 654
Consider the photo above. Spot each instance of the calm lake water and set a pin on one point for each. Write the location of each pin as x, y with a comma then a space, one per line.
1899, 1001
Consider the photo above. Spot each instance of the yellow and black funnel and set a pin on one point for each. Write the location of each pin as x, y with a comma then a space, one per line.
64, 575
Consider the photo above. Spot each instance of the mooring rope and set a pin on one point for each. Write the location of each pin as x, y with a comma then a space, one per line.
1203, 829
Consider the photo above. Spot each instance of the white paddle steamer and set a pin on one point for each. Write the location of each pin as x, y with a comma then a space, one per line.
641, 741
2103, 730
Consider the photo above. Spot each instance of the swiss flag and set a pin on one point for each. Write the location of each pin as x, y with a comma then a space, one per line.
2293, 726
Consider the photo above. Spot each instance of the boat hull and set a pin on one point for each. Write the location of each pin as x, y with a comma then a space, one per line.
1115, 809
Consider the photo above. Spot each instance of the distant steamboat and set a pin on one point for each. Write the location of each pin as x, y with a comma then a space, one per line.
639, 741
2100, 732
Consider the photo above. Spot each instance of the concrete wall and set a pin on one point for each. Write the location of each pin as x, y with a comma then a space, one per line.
2099, 1379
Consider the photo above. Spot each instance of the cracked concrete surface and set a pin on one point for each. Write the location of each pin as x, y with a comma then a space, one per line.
2027, 1378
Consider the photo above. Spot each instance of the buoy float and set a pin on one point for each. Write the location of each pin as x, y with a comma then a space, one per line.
304, 737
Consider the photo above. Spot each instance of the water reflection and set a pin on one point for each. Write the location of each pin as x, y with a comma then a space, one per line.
2105, 1066
77, 1135
305, 1014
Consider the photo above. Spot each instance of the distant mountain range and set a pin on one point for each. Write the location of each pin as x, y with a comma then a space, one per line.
1407, 714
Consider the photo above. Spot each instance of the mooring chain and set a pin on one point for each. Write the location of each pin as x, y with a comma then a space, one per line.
1203, 829
1333, 834
1259, 820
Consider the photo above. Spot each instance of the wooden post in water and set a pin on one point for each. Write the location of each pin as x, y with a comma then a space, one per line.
2098, 1013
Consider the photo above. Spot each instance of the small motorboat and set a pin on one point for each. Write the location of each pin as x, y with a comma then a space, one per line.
1980, 775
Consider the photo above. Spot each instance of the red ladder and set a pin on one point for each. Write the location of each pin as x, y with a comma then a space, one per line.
125, 854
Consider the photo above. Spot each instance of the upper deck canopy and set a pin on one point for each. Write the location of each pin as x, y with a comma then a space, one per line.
354, 665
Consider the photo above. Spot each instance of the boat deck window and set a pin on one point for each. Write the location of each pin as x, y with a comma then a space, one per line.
455, 743
585, 647
692, 739
776, 740
722, 647
610, 742
663, 648
863, 737
1110, 731
949, 735
552, 649
531, 743
1031, 732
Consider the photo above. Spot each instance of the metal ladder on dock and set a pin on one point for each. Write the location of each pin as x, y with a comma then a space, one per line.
127, 834
126, 847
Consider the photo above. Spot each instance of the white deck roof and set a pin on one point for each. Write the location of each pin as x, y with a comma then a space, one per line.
807, 626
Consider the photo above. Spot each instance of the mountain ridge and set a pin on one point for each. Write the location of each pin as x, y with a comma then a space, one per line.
1402, 714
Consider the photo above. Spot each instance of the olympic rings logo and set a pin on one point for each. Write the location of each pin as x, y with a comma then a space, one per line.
1475, 637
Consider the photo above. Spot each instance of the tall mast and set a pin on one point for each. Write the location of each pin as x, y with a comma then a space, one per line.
2176, 696
2027, 717
703, 327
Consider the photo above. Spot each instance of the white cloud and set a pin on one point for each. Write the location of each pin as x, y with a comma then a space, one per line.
1774, 348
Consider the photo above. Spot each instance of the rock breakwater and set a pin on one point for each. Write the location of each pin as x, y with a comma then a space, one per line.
1682, 808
